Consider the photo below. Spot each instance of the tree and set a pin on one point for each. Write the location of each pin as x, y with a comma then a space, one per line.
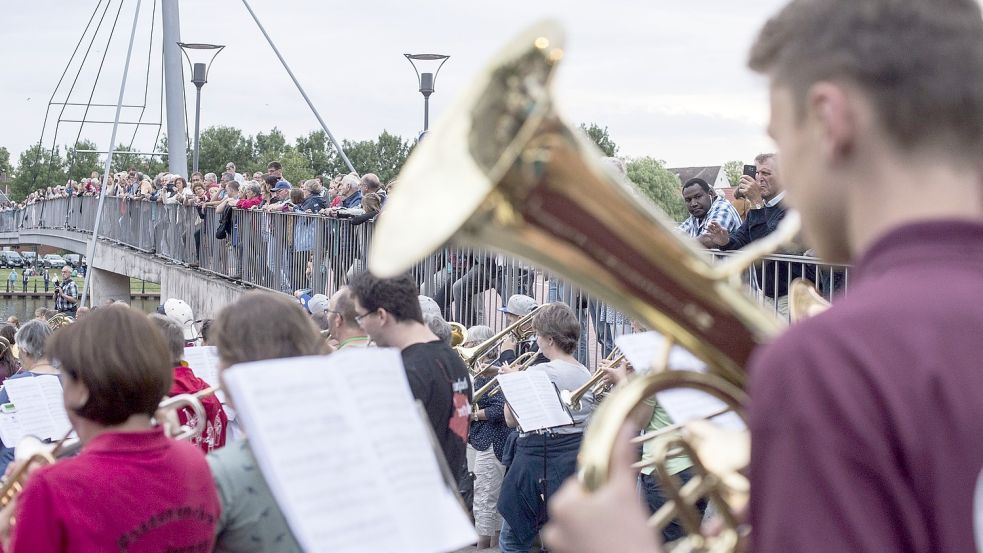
124, 159
391, 153
158, 164
81, 164
658, 184
38, 167
296, 168
601, 137
5, 166
220, 145
268, 147
734, 170
318, 152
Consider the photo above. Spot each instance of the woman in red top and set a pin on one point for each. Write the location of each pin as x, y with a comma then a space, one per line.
131, 488
251, 192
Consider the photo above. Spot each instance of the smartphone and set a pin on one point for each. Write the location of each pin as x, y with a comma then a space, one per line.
751, 171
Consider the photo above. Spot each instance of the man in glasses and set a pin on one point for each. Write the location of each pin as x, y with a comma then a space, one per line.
388, 310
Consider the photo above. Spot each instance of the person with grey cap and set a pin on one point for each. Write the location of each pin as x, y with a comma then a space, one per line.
30, 339
518, 306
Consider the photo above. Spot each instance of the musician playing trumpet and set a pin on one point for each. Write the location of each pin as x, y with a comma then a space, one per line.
131, 488
651, 417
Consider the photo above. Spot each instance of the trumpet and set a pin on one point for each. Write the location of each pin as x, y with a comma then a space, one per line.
473, 354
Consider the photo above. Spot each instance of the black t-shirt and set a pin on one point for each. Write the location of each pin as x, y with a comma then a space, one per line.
439, 378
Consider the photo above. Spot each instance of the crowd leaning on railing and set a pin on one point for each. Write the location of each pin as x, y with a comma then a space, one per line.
311, 239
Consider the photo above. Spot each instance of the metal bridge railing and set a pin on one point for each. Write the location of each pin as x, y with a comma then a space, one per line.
285, 252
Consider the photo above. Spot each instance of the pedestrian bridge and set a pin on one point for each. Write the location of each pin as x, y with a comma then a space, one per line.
116, 261
178, 246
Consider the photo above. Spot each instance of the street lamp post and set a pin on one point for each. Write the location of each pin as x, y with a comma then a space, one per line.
426, 80
199, 76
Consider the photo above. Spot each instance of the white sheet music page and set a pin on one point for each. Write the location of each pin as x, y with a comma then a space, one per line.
534, 400
643, 350
40, 407
203, 361
345, 457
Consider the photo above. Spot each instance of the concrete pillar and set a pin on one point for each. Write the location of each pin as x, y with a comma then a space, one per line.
107, 285
177, 134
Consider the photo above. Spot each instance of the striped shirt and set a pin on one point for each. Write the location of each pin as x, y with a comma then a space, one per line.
721, 211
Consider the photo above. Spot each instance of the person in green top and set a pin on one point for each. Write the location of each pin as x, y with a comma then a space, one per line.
679, 466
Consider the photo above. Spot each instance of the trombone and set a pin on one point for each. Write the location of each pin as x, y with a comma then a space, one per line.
572, 399
491, 387
473, 354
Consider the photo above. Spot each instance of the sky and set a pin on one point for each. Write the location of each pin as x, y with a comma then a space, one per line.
668, 79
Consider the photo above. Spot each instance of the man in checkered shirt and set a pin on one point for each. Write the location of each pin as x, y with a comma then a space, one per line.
704, 206
67, 294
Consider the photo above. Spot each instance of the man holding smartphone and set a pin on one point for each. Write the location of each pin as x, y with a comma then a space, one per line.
67, 294
748, 193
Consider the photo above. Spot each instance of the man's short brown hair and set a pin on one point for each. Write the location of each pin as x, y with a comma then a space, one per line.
919, 62
262, 326
558, 321
128, 377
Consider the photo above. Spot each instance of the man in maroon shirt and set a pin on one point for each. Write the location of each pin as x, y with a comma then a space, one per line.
867, 420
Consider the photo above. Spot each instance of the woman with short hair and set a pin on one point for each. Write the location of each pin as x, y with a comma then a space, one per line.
544, 458
131, 488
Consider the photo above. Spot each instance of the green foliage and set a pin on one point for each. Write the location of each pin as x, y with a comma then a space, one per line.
660, 185
296, 169
734, 170
318, 151
384, 156
37, 168
601, 137
124, 160
5, 166
158, 164
220, 145
81, 164
269, 147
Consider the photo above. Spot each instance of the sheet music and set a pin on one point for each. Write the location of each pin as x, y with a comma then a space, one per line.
645, 349
534, 400
203, 361
346, 455
40, 409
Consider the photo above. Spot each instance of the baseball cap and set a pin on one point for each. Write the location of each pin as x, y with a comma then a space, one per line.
282, 185
519, 305
317, 304
181, 312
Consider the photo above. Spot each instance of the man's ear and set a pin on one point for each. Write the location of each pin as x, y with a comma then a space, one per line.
831, 109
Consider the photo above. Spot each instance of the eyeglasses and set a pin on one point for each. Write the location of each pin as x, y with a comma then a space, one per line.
358, 318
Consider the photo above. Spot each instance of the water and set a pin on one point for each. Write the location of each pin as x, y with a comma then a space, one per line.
23, 307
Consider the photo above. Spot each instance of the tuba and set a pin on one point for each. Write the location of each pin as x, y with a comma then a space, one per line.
526, 183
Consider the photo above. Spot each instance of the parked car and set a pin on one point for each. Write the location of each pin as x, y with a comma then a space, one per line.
30, 258
53, 261
73, 259
10, 259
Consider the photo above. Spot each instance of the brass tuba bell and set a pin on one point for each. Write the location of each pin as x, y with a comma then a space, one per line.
504, 171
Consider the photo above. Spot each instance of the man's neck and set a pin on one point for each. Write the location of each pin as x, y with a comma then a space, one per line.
408, 333
346, 335
904, 193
